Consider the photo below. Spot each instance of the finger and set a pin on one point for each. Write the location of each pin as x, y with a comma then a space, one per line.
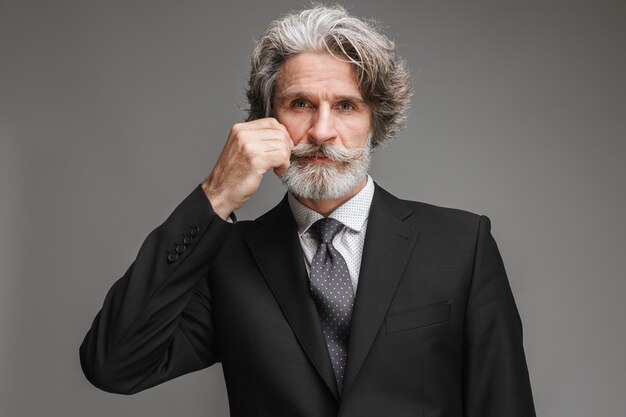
281, 162
265, 123
288, 140
265, 140
280, 171
272, 123
263, 134
278, 156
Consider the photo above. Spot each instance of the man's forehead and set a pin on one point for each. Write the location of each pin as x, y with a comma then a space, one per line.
310, 74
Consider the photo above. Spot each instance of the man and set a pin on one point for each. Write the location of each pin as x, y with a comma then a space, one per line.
342, 300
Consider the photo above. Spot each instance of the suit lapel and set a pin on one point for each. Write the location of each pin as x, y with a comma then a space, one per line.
389, 243
276, 249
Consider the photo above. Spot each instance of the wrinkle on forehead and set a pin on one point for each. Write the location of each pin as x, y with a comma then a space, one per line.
326, 77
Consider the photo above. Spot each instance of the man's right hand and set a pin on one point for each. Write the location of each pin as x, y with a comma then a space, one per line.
252, 149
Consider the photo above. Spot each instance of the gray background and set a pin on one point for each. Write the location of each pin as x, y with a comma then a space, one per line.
111, 112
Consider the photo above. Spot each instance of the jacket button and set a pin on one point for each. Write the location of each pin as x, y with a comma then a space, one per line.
187, 240
180, 249
194, 230
172, 257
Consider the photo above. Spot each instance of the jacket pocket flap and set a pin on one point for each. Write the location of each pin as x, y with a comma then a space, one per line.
419, 317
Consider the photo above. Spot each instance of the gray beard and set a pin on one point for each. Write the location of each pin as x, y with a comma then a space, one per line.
325, 181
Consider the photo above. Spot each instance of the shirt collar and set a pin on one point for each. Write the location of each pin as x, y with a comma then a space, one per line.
353, 213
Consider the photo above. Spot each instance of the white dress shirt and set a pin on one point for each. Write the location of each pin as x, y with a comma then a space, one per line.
349, 241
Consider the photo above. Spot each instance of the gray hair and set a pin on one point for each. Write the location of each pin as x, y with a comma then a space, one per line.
382, 77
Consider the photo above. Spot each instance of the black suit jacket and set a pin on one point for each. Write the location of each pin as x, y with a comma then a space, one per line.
435, 330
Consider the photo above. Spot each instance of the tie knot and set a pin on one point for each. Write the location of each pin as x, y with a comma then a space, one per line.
326, 229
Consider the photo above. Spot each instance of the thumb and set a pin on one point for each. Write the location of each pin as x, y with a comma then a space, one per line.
280, 170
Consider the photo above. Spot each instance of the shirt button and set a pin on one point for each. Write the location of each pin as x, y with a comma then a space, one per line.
172, 257
187, 240
194, 231
180, 249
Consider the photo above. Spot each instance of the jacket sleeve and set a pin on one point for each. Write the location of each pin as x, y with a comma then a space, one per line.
495, 375
155, 323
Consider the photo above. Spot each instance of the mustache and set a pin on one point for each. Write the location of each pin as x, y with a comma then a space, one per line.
333, 152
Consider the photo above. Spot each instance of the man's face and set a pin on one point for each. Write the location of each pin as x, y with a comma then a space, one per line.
318, 100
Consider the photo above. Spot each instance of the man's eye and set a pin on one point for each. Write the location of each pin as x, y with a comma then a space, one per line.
300, 104
346, 106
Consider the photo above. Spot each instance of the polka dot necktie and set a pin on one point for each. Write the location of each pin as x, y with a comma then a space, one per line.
332, 292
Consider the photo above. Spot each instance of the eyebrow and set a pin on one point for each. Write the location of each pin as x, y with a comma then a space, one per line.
302, 94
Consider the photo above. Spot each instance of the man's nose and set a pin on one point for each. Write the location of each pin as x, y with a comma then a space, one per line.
322, 126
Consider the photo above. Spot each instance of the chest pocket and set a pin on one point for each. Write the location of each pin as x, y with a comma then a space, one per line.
418, 317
